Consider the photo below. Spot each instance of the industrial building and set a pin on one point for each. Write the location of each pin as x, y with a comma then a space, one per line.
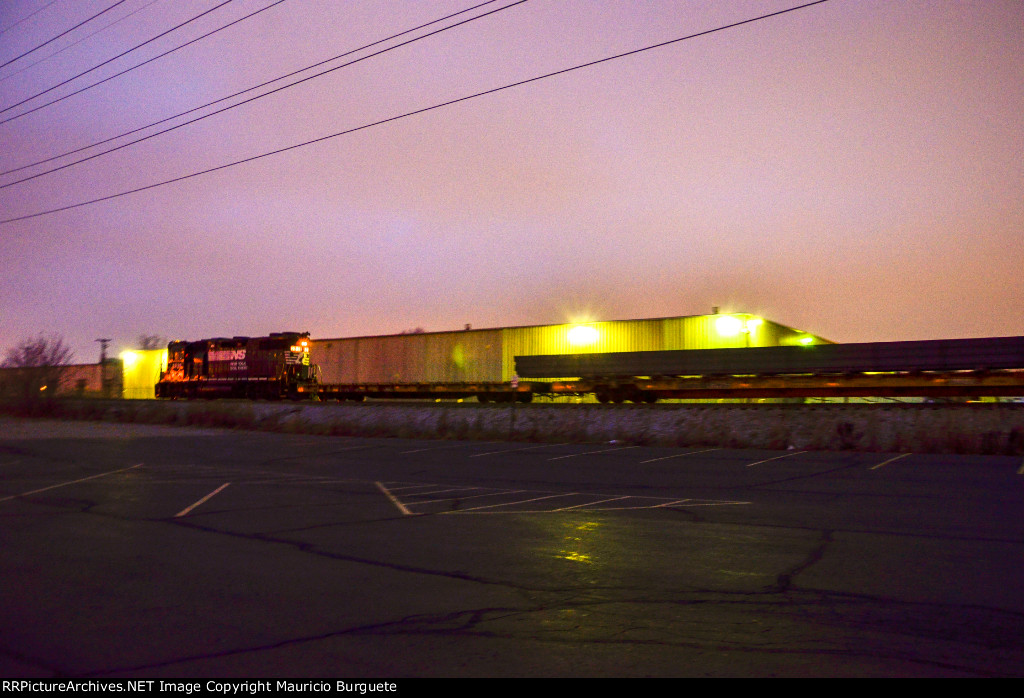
487, 355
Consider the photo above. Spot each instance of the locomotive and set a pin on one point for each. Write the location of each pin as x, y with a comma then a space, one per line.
272, 367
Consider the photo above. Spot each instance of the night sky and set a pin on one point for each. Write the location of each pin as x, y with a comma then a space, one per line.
854, 169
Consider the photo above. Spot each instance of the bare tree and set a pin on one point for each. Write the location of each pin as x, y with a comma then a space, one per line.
37, 365
150, 341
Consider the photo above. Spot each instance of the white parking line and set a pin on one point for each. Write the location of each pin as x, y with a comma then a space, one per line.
522, 501
590, 504
510, 505
72, 482
682, 502
514, 450
450, 489
784, 455
885, 462
394, 501
411, 487
590, 453
204, 499
695, 503
431, 448
500, 493
680, 455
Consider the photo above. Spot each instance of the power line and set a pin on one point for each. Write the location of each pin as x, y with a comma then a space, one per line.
252, 99
109, 60
116, 75
76, 43
27, 17
50, 41
413, 113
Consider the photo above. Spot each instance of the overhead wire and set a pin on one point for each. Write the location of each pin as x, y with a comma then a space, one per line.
63, 33
120, 55
128, 70
250, 89
76, 43
423, 110
26, 17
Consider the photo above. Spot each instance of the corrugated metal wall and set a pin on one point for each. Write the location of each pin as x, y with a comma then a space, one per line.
619, 335
440, 357
488, 355
728, 332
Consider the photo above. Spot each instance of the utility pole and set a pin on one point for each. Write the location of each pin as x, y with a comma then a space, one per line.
104, 379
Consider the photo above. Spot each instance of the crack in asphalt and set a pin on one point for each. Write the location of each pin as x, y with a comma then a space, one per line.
780, 598
785, 580
472, 622
312, 549
980, 628
808, 476
33, 662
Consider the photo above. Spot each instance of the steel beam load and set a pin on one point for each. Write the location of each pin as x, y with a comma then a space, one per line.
988, 354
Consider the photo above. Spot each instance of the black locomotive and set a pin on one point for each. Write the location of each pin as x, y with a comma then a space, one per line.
271, 367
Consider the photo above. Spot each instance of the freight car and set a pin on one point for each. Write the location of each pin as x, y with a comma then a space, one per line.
993, 366
271, 367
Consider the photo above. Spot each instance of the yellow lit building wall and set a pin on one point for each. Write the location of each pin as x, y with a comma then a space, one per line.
578, 338
141, 371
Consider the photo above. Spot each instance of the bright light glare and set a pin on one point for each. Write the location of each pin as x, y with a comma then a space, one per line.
582, 335
753, 323
806, 340
128, 357
728, 326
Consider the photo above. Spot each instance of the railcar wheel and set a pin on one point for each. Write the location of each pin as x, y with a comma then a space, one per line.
604, 398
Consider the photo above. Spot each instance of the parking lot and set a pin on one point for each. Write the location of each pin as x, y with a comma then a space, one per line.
134, 550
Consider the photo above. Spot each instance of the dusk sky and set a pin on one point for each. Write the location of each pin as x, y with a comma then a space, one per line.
854, 169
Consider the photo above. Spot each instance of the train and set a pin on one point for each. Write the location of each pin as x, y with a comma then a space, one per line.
273, 367
279, 367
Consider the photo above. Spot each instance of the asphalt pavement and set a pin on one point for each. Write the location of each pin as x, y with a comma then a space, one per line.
142, 551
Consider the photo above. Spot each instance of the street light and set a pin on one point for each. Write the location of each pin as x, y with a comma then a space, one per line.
582, 335
732, 325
